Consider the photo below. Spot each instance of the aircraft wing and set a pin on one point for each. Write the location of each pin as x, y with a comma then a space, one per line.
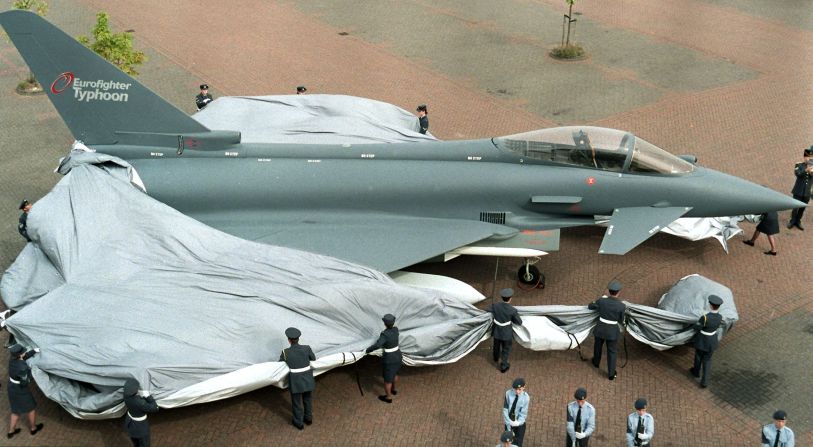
381, 241
628, 227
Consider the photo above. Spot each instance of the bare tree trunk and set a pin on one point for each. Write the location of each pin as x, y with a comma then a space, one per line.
569, 19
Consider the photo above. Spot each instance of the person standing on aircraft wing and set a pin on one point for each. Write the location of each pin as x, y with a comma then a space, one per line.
300, 380
503, 334
391, 359
135, 420
706, 341
802, 188
423, 120
610, 315
204, 97
22, 226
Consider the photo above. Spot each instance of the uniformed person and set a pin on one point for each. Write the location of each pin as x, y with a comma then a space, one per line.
20, 399
640, 426
22, 227
135, 420
776, 434
610, 315
301, 90
515, 410
391, 359
581, 420
802, 187
204, 98
501, 331
507, 439
300, 380
423, 120
706, 340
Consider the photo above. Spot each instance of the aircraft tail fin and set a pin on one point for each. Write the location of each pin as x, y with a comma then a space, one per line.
97, 101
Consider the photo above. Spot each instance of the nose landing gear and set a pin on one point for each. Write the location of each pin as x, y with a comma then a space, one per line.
530, 275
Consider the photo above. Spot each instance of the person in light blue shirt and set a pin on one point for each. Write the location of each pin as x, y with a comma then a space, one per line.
581, 420
776, 434
515, 410
640, 426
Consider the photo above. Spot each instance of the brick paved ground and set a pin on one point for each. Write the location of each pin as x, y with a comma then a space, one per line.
731, 82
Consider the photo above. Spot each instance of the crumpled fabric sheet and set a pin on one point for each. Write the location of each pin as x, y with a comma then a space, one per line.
116, 285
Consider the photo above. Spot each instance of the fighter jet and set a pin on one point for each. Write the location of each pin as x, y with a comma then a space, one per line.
386, 206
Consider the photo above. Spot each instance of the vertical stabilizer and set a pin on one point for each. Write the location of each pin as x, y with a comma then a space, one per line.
94, 98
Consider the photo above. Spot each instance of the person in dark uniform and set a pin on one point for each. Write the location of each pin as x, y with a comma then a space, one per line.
300, 380
706, 340
507, 439
581, 420
802, 188
135, 420
610, 315
22, 227
391, 359
768, 225
20, 399
640, 426
423, 120
777, 434
504, 314
301, 90
204, 98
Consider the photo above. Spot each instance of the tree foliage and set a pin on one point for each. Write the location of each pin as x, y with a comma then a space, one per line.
38, 6
115, 47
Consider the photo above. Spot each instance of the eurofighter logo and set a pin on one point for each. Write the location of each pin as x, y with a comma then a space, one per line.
87, 91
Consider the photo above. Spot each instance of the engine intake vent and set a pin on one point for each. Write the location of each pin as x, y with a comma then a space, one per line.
491, 217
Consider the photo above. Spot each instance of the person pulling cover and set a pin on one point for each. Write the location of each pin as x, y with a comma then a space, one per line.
135, 420
20, 399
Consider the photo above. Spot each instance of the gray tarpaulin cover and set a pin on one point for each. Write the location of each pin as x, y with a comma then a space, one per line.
327, 119
118, 285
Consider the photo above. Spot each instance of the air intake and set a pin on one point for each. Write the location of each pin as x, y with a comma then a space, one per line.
495, 218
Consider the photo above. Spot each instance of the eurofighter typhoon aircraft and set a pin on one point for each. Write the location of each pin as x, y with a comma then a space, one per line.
386, 206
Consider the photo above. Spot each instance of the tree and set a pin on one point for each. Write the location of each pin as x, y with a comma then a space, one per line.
568, 50
115, 47
30, 85
568, 19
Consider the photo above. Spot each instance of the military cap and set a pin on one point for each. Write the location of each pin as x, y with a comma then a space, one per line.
715, 300
580, 393
507, 293
292, 332
809, 152
389, 319
507, 436
421, 108
17, 349
519, 382
130, 387
640, 404
614, 286
780, 415
301, 89
24, 203
204, 86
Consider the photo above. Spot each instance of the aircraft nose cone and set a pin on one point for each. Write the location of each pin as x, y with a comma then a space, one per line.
733, 196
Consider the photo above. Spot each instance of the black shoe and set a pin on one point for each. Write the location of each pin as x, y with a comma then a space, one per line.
696, 374
298, 426
503, 370
11, 435
385, 399
37, 428
790, 225
799, 226
594, 364
612, 377
394, 393
308, 421
750, 243
703, 385
771, 252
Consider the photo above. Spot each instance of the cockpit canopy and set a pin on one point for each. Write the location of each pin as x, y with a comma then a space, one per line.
595, 147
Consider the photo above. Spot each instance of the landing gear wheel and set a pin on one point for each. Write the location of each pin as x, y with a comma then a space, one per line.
530, 275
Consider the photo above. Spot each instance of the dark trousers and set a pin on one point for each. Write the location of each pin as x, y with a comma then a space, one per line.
519, 434
797, 213
141, 442
500, 351
702, 358
579, 442
612, 353
298, 400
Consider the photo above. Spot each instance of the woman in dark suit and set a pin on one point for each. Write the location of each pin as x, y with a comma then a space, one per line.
770, 226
